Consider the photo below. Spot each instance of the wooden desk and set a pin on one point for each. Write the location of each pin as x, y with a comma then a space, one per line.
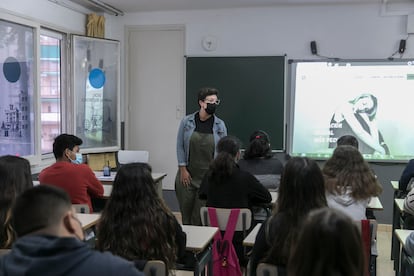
375, 204
88, 220
199, 240
405, 264
107, 180
398, 210
251, 238
394, 184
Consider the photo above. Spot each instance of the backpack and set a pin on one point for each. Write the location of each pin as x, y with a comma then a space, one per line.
225, 260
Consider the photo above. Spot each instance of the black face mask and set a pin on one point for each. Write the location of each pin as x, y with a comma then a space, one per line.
211, 108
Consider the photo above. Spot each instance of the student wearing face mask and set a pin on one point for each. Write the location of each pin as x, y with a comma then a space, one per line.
50, 240
68, 173
197, 138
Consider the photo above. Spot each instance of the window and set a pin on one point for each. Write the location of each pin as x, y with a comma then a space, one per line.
18, 63
52, 55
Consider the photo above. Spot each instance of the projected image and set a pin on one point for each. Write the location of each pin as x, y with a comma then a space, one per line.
370, 100
16, 90
96, 81
357, 117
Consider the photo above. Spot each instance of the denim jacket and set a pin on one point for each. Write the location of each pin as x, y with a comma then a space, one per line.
185, 131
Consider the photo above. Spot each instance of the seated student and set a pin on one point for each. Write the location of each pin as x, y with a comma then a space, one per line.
50, 240
15, 178
301, 190
406, 176
350, 182
77, 179
329, 243
258, 160
136, 224
349, 140
226, 186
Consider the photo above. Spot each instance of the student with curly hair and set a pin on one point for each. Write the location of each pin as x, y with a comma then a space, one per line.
15, 178
329, 243
350, 183
136, 224
301, 190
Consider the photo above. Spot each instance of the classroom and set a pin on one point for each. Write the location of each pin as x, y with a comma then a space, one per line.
155, 42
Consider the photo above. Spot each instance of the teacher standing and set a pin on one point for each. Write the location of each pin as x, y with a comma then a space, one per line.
197, 138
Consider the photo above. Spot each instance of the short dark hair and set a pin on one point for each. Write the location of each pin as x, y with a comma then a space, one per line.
349, 140
38, 208
65, 141
206, 91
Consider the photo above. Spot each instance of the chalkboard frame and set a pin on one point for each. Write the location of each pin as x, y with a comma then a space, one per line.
252, 90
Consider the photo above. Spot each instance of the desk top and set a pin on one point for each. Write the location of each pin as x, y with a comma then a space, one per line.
111, 178
400, 203
198, 237
394, 184
274, 196
88, 220
375, 204
107, 191
402, 235
251, 238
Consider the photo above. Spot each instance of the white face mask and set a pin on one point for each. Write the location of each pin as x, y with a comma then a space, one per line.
78, 159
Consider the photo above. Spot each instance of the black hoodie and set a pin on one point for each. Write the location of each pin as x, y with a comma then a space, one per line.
48, 255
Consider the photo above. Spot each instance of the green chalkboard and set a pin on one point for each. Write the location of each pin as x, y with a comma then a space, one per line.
251, 90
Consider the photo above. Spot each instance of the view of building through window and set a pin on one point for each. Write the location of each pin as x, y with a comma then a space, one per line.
50, 89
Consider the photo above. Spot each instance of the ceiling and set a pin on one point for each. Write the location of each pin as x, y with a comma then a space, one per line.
131, 6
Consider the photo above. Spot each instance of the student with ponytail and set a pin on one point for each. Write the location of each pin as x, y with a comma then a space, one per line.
226, 186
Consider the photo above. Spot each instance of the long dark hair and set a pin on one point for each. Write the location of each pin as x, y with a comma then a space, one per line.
136, 224
301, 190
259, 146
15, 178
222, 166
329, 243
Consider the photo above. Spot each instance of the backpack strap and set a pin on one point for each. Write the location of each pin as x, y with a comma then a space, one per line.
231, 224
212, 214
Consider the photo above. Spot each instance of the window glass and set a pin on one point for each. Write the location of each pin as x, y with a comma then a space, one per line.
17, 62
50, 89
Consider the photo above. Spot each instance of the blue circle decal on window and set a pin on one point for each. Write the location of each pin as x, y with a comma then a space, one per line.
11, 69
97, 78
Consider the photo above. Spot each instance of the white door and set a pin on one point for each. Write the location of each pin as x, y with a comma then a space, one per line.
155, 95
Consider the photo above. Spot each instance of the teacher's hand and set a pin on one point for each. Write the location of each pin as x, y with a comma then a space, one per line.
185, 177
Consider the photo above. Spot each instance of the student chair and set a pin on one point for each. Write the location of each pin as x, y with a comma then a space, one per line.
81, 208
132, 156
266, 270
154, 268
244, 221
369, 238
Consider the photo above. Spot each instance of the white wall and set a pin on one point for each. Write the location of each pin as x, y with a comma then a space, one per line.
346, 31
46, 13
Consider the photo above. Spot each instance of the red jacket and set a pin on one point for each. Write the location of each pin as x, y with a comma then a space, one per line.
78, 180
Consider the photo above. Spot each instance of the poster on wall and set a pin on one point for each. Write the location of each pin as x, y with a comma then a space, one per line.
96, 92
16, 89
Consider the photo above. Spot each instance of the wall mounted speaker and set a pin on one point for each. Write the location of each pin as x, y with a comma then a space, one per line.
313, 48
401, 49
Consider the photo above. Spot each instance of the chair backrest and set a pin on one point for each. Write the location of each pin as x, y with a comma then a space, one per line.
266, 270
244, 220
81, 208
154, 268
132, 156
369, 242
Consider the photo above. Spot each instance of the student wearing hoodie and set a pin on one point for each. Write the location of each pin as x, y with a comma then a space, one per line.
349, 181
50, 240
